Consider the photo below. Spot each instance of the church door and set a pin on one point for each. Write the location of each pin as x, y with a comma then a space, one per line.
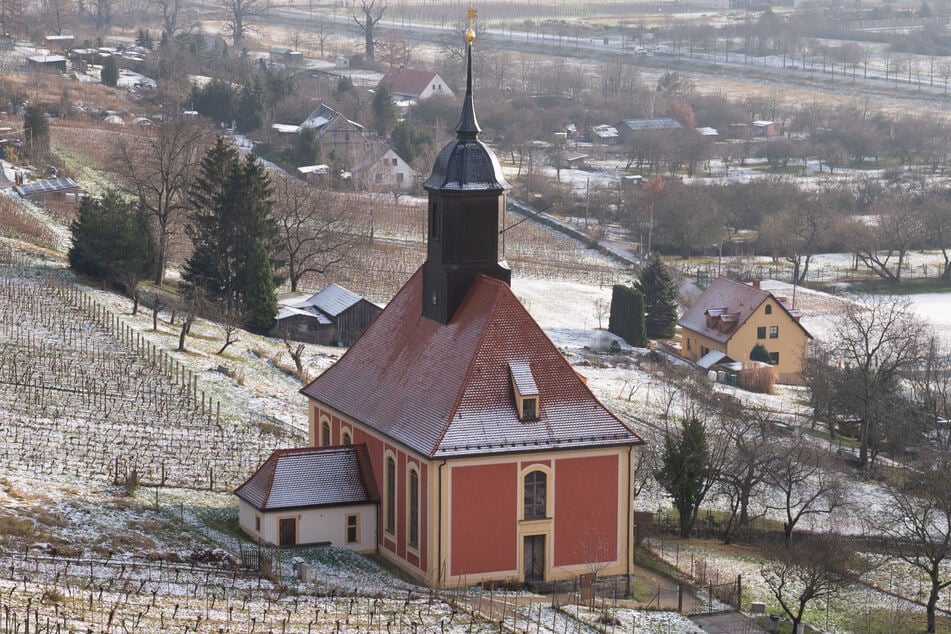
534, 554
288, 531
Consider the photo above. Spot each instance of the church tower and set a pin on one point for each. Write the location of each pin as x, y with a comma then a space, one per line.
466, 208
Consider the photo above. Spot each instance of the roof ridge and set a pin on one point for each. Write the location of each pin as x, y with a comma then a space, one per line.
472, 359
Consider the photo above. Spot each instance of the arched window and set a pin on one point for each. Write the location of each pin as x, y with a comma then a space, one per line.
346, 438
413, 508
390, 496
325, 434
535, 494
769, 309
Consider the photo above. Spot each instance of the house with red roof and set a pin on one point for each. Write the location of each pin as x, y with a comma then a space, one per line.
409, 83
493, 459
730, 318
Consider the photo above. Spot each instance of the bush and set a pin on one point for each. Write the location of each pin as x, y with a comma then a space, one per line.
759, 353
756, 377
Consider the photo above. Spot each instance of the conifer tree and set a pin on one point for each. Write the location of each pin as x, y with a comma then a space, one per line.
111, 241
231, 220
37, 129
110, 72
660, 299
759, 353
684, 469
260, 302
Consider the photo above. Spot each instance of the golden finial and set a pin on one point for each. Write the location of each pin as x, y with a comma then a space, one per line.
470, 32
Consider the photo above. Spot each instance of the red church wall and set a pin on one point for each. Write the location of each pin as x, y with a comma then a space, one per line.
484, 525
377, 449
586, 495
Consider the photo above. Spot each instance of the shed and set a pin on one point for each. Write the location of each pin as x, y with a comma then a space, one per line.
312, 496
332, 317
57, 62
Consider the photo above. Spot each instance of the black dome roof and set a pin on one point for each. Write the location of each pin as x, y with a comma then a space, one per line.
466, 163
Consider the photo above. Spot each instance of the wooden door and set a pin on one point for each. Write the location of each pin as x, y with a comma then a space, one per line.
534, 555
288, 531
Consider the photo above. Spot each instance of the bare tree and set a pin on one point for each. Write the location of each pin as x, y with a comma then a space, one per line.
158, 168
370, 14
878, 341
316, 227
228, 315
170, 10
800, 575
802, 485
917, 520
749, 457
296, 353
238, 13
322, 32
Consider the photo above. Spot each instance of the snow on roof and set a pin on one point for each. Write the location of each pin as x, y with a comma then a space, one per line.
663, 123
306, 477
333, 300
605, 131
286, 128
46, 187
710, 359
445, 390
314, 169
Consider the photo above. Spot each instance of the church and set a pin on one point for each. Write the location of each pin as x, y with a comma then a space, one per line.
491, 457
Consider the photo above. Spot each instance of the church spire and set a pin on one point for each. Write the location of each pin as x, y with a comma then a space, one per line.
466, 206
468, 126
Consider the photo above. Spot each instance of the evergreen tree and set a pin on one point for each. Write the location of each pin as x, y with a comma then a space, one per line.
627, 315
251, 105
408, 141
684, 469
759, 353
111, 241
384, 112
110, 71
37, 129
260, 302
231, 219
660, 299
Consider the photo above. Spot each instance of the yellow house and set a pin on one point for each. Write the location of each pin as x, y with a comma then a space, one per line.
732, 317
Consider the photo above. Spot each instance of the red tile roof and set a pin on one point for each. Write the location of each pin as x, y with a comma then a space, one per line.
725, 306
306, 477
446, 390
407, 81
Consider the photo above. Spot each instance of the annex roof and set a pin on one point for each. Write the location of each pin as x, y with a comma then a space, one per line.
445, 390
311, 476
729, 302
407, 81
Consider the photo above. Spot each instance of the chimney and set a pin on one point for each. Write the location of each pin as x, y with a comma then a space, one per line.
755, 283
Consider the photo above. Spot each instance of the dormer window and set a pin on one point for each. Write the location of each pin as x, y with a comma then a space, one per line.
525, 390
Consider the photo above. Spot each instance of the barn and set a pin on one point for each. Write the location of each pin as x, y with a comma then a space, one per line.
332, 317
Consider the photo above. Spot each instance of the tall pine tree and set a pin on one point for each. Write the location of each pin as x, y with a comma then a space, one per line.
231, 227
660, 299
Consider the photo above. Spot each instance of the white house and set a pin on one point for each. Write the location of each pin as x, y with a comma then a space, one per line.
383, 169
408, 83
313, 495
